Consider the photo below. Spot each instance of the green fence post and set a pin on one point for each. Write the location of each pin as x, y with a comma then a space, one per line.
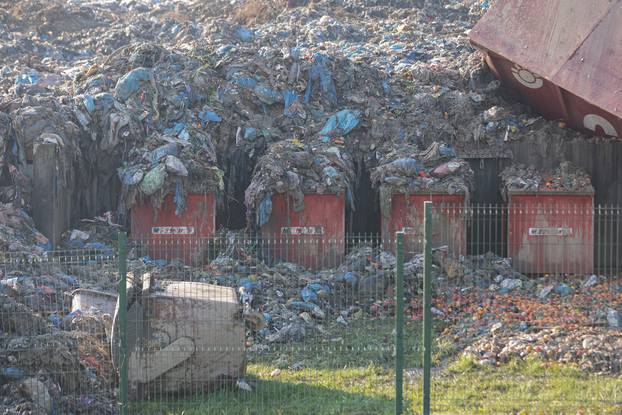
399, 326
427, 307
123, 399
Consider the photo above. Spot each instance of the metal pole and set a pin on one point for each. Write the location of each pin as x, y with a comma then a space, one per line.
123, 399
427, 307
399, 326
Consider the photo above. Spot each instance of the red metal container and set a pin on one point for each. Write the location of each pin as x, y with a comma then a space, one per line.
551, 232
407, 214
313, 237
168, 236
562, 56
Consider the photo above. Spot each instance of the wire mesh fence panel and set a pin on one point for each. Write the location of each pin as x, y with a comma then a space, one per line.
526, 304
528, 310
55, 323
287, 323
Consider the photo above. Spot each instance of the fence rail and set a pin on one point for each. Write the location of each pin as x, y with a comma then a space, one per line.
240, 323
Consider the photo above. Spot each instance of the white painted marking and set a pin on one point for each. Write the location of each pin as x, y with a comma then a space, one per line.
302, 230
527, 78
172, 230
591, 121
550, 231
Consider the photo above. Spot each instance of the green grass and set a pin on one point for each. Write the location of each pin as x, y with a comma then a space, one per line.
526, 387
349, 370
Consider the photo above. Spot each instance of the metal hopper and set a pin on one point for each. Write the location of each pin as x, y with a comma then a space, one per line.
562, 56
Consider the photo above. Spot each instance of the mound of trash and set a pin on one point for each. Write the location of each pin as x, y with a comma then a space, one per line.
54, 358
405, 169
291, 168
565, 178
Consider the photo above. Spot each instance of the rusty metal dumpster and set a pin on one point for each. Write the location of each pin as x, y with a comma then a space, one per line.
562, 56
182, 336
165, 235
551, 232
407, 215
313, 237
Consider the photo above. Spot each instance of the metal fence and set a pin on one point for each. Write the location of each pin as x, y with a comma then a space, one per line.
291, 314
522, 299
531, 298
54, 352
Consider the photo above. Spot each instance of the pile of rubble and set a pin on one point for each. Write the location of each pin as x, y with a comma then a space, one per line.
481, 299
290, 168
99, 233
18, 232
54, 359
496, 314
164, 97
405, 169
565, 178
591, 349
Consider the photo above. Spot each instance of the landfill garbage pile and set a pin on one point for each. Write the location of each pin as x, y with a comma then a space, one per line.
18, 232
215, 82
291, 168
565, 178
286, 303
51, 35
405, 169
141, 105
496, 314
99, 233
488, 309
52, 359
591, 349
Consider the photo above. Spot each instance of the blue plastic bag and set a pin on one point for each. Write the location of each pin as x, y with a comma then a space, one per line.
147, 260
224, 50
104, 101
303, 306
244, 81
208, 116
107, 249
176, 129
12, 373
264, 210
446, 151
244, 34
131, 82
29, 78
46, 246
407, 166
341, 123
179, 198
131, 176
89, 103
69, 280
349, 278
319, 72
267, 95
310, 293
290, 97
71, 315
55, 320
331, 172
250, 133
159, 153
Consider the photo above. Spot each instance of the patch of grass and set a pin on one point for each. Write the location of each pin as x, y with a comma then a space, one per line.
361, 343
526, 387
350, 370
